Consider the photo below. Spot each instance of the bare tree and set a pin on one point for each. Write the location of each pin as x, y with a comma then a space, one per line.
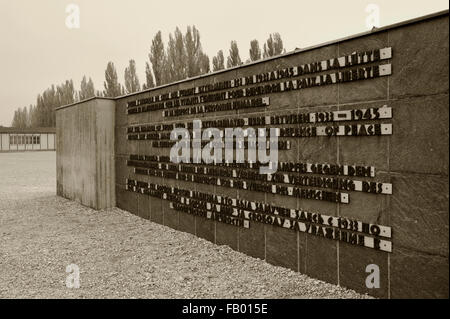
233, 59
149, 77
157, 58
176, 57
131, 79
87, 89
218, 61
255, 51
111, 84
273, 45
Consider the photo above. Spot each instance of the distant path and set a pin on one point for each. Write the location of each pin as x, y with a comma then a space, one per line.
119, 255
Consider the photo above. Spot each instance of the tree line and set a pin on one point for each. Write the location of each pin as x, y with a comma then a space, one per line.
182, 57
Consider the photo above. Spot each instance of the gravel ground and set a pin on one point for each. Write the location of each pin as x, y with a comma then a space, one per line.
119, 255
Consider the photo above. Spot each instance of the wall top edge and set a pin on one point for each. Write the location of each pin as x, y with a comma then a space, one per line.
84, 101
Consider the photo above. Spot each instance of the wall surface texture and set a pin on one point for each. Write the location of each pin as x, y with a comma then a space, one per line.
362, 178
85, 153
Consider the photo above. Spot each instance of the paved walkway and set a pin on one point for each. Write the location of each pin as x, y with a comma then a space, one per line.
119, 255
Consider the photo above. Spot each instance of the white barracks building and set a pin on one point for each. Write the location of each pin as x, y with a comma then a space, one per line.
27, 139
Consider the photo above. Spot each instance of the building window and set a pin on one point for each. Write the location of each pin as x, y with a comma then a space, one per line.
16, 139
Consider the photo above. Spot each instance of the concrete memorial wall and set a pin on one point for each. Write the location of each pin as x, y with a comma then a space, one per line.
362, 175
85, 152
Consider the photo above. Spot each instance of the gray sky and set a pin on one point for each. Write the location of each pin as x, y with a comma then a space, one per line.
37, 49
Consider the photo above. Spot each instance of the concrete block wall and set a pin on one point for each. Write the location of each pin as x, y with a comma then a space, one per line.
85, 152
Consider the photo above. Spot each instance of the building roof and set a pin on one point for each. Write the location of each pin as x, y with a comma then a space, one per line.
28, 130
